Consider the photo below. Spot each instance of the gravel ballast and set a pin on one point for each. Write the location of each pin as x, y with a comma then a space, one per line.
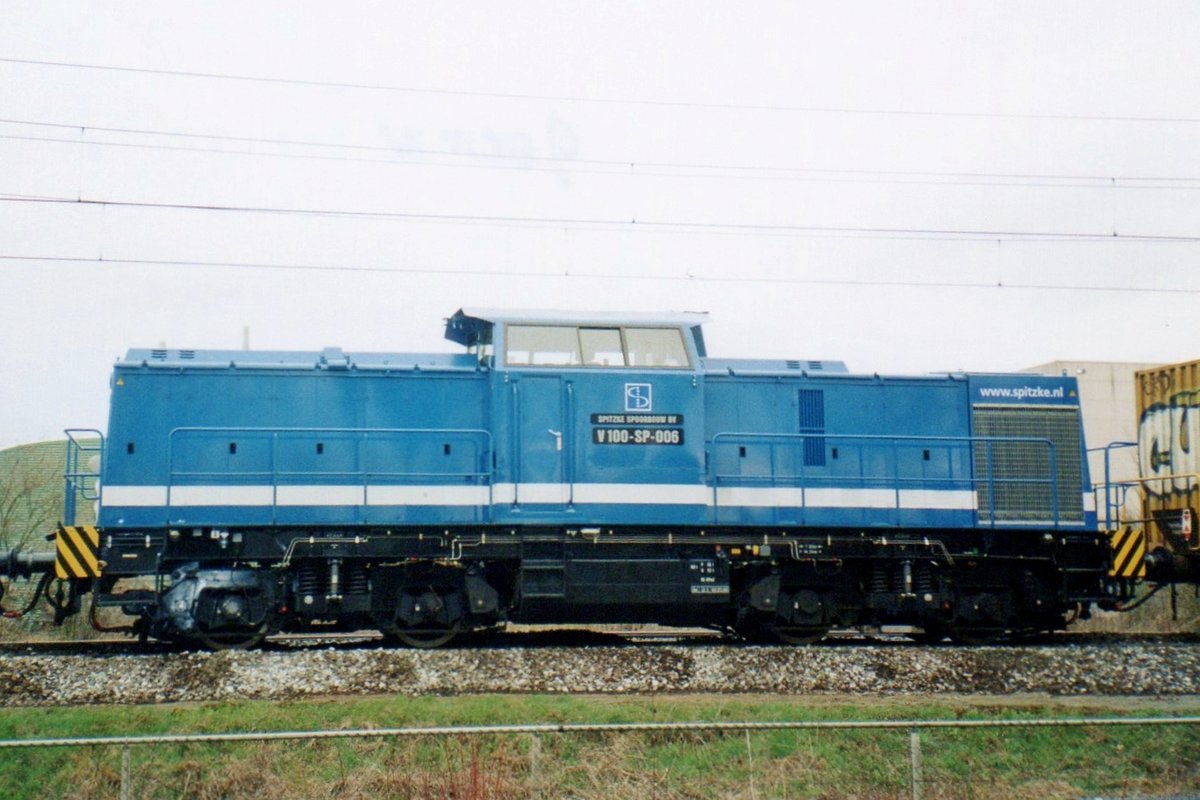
1159, 668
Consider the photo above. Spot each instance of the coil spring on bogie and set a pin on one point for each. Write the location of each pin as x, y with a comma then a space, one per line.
889, 578
879, 579
311, 578
922, 578
356, 579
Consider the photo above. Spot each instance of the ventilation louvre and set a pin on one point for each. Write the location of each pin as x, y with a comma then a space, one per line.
812, 420
1014, 479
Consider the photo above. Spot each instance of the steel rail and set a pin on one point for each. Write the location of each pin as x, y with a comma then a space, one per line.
584, 728
514, 637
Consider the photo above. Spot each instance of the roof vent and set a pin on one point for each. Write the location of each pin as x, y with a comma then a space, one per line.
815, 365
334, 358
792, 364
161, 355
187, 355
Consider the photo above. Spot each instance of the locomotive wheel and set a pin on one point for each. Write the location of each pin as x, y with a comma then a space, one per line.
799, 635
425, 638
929, 635
974, 635
235, 640
424, 617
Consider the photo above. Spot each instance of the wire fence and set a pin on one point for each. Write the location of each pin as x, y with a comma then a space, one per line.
920, 759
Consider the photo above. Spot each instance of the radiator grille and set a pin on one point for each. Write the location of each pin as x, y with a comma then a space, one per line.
812, 420
1014, 486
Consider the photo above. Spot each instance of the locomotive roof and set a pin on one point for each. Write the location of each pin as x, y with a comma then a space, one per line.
466, 323
331, 358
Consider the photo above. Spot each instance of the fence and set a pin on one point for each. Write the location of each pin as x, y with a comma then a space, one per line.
918, 782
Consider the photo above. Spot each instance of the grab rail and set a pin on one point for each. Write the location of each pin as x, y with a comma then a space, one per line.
80, 480
805, 479
1115, 492
363, 477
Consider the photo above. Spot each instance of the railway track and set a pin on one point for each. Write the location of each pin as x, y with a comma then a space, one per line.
635, 661
539, 637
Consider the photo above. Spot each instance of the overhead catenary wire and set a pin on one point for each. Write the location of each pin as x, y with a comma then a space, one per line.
809, 176
617, 166
514, 95
602, 223
690, 277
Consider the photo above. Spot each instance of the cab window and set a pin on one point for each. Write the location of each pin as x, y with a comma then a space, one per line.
542, 346
602, 347
571, 346
655, 347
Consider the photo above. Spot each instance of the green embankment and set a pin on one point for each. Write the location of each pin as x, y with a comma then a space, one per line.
1016, 763
31, 494
31, 491
31, 506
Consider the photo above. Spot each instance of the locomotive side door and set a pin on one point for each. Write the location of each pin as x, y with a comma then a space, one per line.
541, 442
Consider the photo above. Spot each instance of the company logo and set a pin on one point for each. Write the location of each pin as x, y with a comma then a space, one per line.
638, 397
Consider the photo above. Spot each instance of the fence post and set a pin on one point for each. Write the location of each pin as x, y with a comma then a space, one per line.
750, 757
126, 790
914, 753
535, 769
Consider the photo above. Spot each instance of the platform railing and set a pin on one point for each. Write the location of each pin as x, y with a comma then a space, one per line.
888, 448
1162, 485
79, 478
1114, 492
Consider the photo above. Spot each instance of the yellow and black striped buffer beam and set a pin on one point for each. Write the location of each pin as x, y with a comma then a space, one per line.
1129, 553
77, 547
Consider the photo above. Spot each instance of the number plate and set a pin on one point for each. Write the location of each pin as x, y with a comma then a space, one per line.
667, 436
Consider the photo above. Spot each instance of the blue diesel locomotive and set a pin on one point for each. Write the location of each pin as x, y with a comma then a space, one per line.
581, 468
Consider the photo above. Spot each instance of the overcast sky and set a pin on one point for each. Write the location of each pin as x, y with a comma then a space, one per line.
908, 187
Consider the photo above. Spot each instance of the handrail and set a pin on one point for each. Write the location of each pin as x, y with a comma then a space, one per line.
1142, 483
76, 480
362, 475
804, 480
1116, 492
1174, 476
1111, 504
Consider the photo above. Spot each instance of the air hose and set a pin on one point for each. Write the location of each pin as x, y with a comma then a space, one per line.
1124, 608
42, 586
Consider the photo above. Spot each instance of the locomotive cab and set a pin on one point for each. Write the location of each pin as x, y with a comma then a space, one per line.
599, 416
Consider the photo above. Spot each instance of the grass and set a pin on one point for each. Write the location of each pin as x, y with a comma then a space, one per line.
31, 490
36, 470
987, 763
1160, 614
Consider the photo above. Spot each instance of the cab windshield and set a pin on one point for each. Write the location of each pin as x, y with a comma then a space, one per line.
593, 346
